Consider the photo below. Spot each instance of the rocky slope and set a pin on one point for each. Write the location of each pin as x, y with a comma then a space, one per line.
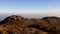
19, 25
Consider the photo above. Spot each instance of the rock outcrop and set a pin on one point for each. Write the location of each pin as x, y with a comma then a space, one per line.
14, 17
54, 21
19, 25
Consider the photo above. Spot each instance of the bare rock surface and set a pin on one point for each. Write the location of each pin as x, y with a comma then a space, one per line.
19, 25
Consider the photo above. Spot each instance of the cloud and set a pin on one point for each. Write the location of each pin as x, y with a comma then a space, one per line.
32, 13
45, 12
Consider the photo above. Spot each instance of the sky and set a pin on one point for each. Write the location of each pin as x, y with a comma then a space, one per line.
30, 6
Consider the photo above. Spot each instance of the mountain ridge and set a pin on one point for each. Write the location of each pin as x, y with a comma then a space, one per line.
15, 24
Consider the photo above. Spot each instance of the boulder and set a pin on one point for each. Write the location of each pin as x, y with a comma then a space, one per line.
13, 17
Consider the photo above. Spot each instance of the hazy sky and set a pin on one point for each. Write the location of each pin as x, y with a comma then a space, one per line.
30, 6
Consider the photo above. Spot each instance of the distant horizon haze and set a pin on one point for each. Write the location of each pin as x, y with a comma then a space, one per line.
27, 15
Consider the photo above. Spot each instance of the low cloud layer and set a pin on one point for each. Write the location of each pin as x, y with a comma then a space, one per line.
51, 12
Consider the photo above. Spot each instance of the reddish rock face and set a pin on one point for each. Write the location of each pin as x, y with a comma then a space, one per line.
29, 30
54, 21
19, 25
34, 31
44, 33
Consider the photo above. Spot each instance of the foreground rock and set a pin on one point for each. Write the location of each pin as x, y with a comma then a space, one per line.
54, 21
19, 25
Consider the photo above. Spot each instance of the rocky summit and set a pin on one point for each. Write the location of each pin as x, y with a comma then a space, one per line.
19, 25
